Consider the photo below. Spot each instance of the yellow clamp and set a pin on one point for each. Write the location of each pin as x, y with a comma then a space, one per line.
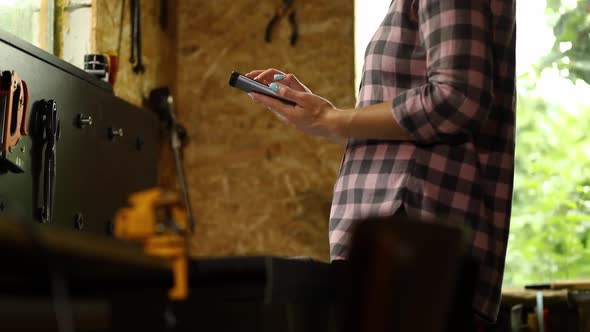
158, 219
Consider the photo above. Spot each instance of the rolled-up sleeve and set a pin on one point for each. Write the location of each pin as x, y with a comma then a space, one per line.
457, 96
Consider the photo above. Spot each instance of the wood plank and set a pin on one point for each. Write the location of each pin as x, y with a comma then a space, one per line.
43, 24
93, 27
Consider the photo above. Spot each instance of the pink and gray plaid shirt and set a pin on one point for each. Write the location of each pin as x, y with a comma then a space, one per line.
448, 68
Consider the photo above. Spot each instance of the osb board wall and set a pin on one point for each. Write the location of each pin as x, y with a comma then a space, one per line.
158, 47
112, 34
258, 186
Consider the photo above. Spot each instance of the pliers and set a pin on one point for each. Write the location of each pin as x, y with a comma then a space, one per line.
285, 9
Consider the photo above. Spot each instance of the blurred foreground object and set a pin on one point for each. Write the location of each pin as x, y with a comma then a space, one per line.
403, 275
157, 219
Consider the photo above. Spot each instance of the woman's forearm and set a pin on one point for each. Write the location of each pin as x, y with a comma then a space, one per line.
371, 122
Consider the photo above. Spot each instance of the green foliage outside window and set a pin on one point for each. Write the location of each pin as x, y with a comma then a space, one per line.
550, 230
571, 27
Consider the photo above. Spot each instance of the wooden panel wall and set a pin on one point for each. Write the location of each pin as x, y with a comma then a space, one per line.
257, 186
112, 34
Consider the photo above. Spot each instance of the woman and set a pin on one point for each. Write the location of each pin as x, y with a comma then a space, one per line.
433, 133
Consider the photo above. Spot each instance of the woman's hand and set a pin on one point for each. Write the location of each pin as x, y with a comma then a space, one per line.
312, 114
270, 76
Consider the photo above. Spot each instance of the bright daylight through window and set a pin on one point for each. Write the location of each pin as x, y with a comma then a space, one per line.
31, 20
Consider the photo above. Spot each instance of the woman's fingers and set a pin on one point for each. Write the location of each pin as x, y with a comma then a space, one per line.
291, 81
268, 76
264, 76
289, 93
276, 104
253, 73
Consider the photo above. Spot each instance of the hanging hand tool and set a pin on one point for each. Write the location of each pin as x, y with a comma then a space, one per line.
121, 26
285, 10
136, 56
132, 37
164, 15
161, 101
50, 126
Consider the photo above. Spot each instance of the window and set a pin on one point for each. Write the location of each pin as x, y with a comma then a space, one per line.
550, 230
368, 15
550, 227
37, 21
31, 20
